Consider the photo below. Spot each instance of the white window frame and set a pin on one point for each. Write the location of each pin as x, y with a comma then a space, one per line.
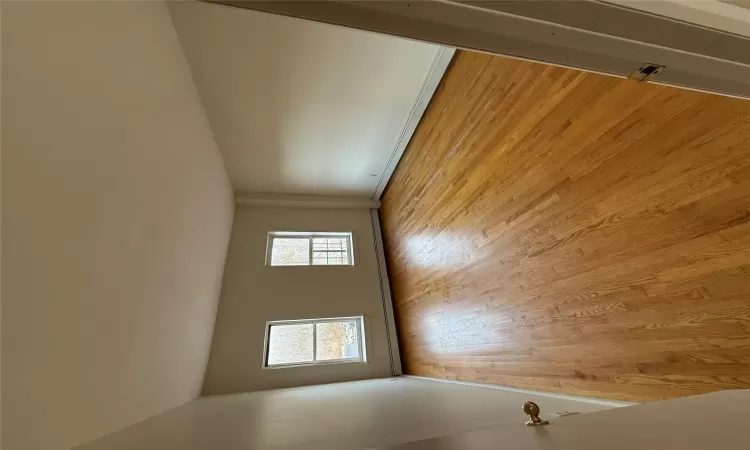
310, 235
362, 359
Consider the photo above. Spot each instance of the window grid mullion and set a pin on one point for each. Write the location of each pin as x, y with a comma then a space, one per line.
315, 342
310, 255
360, 342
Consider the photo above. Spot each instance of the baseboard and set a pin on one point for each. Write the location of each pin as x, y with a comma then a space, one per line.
385, 294
598, 401
430, 85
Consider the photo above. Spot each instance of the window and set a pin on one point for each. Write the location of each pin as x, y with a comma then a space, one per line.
306, 249
315, 341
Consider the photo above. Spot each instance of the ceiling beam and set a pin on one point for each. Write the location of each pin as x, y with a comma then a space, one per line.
588, 35
271, 199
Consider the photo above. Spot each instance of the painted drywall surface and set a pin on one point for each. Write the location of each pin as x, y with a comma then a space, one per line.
254, 293
116, 213
299, 106
361, 414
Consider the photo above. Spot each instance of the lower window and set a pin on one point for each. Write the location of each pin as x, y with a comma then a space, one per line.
292, 343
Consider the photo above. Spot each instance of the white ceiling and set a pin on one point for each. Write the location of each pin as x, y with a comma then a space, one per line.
298, 106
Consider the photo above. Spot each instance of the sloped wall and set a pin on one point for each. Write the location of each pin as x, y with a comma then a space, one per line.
116, 213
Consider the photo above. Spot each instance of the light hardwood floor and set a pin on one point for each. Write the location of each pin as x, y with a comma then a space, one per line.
572, 232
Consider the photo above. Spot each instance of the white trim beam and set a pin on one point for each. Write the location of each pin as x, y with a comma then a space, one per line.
303, 200
695, 57
598, 401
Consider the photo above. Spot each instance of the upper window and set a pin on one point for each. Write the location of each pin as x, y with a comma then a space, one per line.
309, 249
314, 341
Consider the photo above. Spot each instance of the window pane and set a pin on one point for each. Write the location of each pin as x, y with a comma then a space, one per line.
290, 252
336, 258
290, 344
329, 243
330, 258
337, 340
299, 249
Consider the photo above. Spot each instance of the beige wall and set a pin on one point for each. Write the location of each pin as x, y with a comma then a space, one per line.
346, 416
116, 212
254, 293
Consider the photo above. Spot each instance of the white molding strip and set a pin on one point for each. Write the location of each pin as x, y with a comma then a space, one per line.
303, 201
385, 294
598, 401
432, 81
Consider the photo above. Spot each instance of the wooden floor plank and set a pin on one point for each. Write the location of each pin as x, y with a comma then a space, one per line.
567, 231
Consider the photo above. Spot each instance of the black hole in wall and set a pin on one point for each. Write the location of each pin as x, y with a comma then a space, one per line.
648, 70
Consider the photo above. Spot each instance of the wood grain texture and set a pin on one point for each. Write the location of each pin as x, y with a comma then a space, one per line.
571, 232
